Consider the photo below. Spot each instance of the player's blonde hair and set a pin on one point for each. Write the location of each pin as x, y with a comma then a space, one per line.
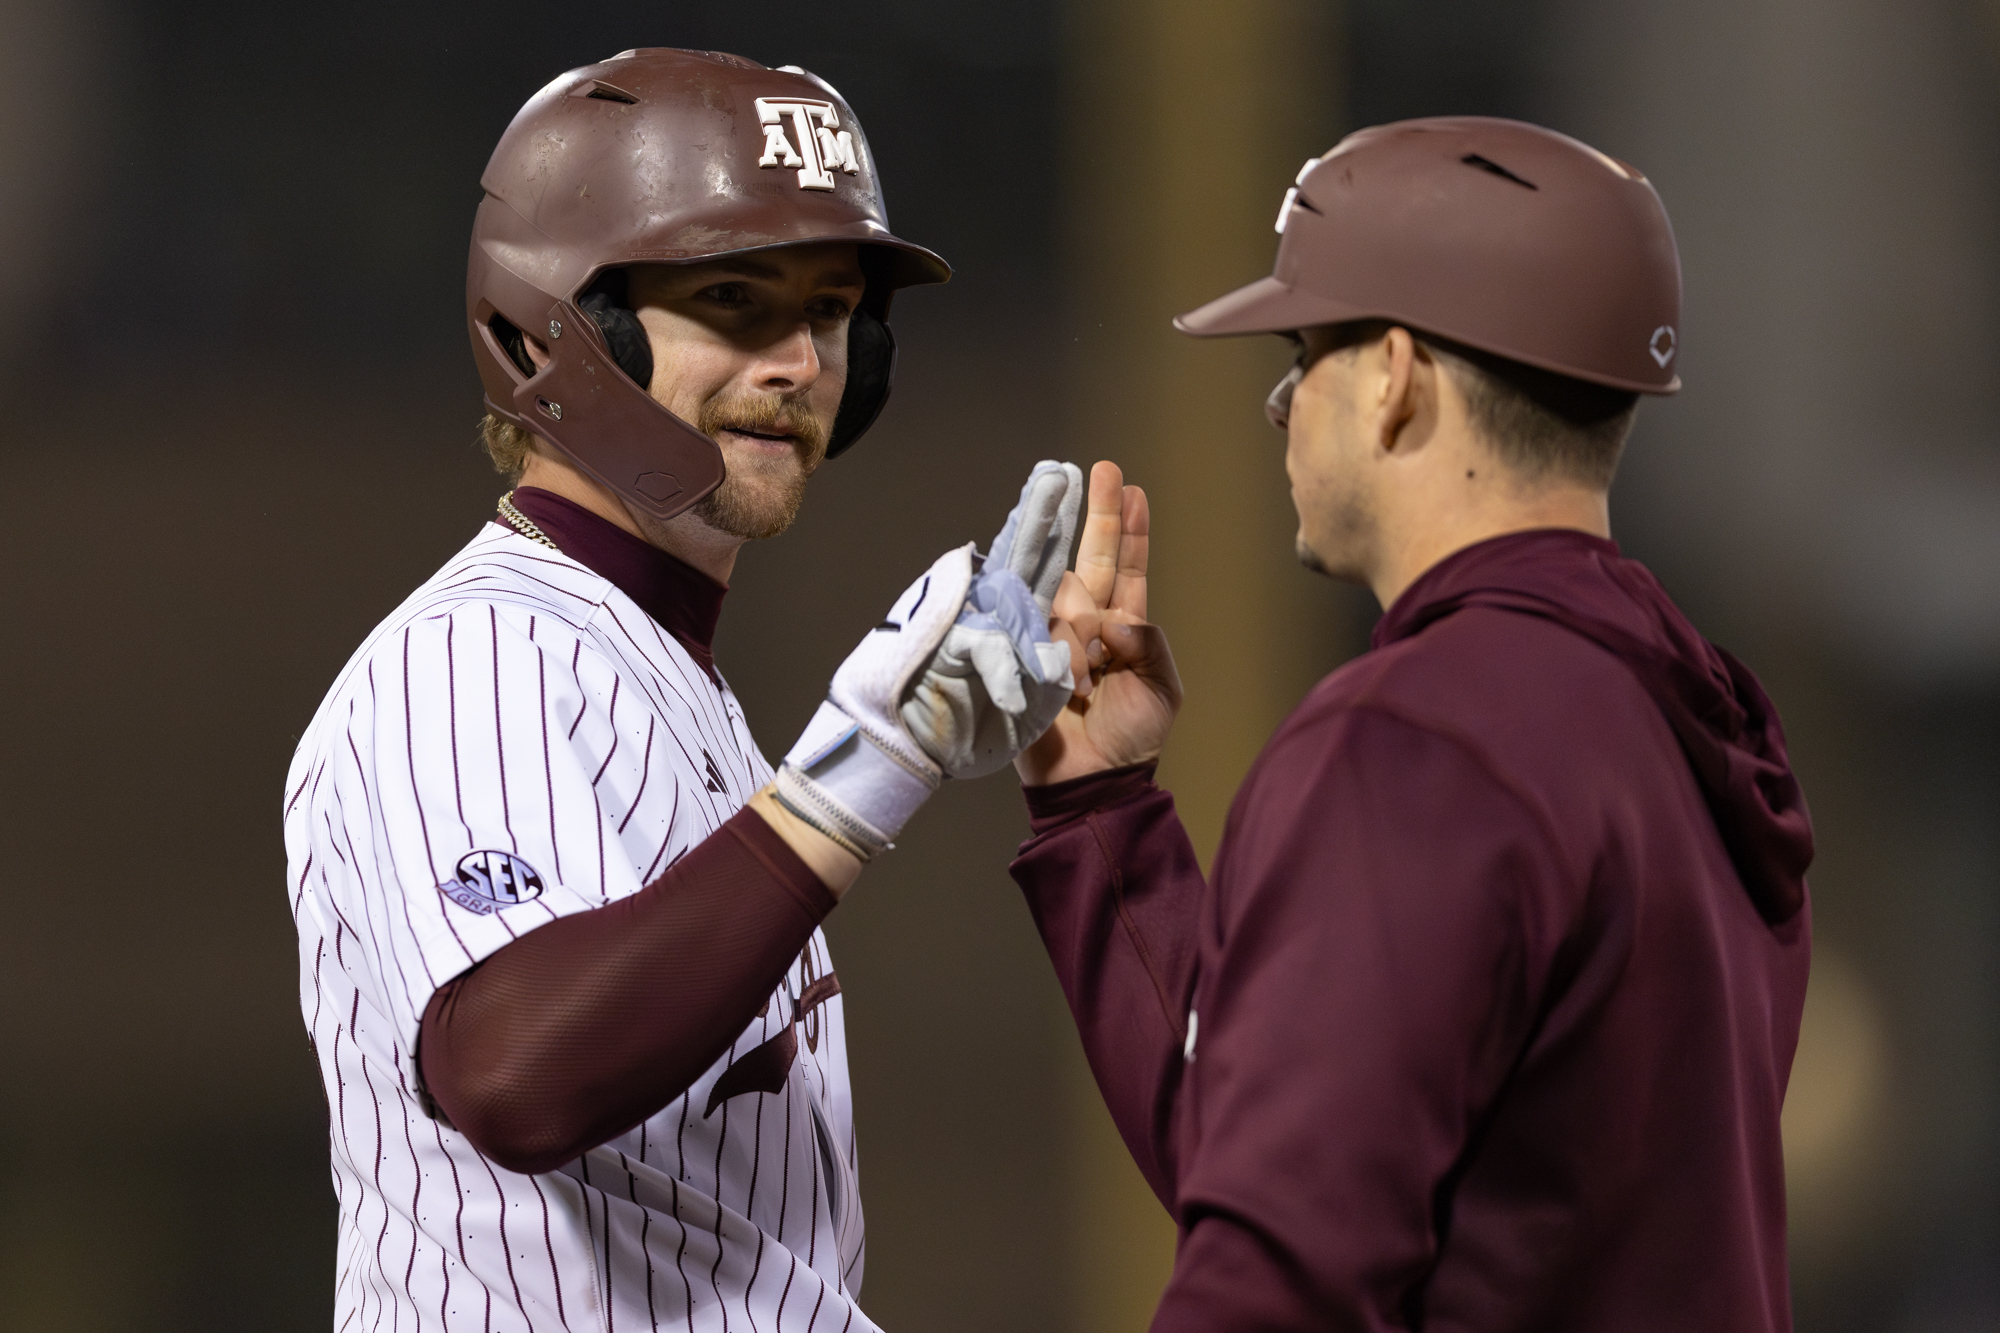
507, 444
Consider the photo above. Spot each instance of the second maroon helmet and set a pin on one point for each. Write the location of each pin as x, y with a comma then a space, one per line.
658, 157
1496, 234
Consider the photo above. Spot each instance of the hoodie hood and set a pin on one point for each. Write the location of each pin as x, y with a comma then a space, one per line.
1724, 721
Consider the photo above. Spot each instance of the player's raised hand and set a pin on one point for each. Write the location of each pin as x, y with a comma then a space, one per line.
1127, 688
999, 677
958, 678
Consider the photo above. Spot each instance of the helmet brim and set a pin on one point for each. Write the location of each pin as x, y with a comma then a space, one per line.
895, 262
1270, 306
1265, 306
906, 265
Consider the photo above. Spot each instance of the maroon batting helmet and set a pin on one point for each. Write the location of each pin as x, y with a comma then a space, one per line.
1502, 236
658, 157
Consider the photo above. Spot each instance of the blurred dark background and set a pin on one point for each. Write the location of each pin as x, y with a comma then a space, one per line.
238, 413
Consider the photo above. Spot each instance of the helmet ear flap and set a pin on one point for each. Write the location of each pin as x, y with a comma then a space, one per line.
606, 303
871, 373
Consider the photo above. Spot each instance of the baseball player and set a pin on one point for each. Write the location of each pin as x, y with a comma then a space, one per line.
1483, 1017
558, 919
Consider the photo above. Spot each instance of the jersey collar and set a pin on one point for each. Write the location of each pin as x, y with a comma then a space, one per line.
686, 602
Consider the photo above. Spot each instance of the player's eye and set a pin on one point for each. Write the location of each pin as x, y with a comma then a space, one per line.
829, 308
732, 294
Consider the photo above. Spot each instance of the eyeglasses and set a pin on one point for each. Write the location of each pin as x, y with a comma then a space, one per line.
1278, 406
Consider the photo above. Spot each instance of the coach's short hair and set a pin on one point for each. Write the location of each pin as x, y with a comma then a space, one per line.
508, 445
1543, 425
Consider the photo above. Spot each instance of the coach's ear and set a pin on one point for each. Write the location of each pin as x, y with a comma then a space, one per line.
1405, 390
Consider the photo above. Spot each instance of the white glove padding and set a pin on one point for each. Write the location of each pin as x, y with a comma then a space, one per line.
856, 773
998, 682
1034, 541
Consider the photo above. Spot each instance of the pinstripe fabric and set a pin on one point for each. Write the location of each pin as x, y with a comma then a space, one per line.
520, 703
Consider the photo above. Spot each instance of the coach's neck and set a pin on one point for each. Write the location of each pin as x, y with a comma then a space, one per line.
1463, 495
1390, 475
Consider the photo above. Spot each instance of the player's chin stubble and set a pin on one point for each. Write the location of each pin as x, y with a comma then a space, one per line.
755, 503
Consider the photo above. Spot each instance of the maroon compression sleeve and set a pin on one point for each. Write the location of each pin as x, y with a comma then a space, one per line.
580, 1029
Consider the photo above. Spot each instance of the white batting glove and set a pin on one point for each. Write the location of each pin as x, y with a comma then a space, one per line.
959, 679
856, 773
998, 681
1034, 542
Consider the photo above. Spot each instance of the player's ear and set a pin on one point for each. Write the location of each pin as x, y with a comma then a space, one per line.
538, 354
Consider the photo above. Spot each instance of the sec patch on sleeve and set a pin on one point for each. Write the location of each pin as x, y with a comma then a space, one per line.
487, 881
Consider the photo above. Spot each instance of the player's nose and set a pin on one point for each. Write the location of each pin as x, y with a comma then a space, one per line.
791, 362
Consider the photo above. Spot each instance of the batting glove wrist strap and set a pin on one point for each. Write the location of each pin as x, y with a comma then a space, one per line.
842, 774
814, 807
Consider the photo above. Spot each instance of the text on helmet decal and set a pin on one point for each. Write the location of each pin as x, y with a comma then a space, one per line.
822, 148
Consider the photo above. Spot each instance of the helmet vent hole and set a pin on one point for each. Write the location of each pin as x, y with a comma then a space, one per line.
1488, 164
513, 343
609, 92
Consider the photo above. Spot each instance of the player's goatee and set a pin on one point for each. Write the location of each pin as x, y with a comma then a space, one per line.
759, 501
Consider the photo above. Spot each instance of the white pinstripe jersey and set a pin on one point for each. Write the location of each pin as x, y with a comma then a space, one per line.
520, 705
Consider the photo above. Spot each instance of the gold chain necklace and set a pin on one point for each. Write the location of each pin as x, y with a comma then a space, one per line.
522, 524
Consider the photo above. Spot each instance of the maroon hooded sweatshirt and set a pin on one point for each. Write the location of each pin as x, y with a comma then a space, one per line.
1484, 1018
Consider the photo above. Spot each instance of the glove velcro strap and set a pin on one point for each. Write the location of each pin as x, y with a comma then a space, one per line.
811, 804
897, 749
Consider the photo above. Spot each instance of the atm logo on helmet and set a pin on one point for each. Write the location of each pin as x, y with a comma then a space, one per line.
823, 147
